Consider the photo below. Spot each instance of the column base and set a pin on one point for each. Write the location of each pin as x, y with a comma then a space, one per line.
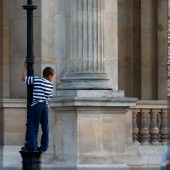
85, 81
92, 98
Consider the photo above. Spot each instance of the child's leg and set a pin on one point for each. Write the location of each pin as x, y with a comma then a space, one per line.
33, 126
45, 129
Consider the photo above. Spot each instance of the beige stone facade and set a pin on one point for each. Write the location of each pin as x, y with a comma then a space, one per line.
106, 53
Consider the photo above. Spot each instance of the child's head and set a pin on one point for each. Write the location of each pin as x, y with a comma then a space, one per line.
49, 73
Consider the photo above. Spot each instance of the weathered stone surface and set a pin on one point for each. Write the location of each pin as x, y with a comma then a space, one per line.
91, 136
89, 93
82, 123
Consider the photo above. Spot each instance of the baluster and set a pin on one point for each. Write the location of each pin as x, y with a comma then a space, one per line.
154, 130
159, 125
163, 128
144, 130
135, 128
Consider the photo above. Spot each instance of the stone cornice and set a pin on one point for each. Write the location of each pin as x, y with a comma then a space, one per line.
151, 104
14, 103
93, 101
90, 101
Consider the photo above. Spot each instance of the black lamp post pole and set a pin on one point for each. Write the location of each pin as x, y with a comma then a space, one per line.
30, 56
30, 160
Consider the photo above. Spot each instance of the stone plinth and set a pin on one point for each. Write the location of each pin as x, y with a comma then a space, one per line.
90, 127
81, 127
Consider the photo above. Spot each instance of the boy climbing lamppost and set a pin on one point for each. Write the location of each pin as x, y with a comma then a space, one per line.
39, 91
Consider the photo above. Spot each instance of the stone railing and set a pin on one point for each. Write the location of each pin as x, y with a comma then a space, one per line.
150, 122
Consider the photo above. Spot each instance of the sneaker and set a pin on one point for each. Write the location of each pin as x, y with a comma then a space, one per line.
25, 149
39, 149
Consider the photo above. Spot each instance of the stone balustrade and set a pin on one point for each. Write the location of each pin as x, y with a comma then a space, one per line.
150, 122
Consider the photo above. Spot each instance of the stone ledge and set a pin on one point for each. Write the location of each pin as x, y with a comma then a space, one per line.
15, 103
93, 101
150, 104
88, 93
76, 101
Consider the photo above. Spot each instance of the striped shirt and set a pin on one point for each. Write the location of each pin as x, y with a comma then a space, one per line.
42, 89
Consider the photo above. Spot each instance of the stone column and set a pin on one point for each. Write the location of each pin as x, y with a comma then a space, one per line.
85, 65
148, 53
162, 49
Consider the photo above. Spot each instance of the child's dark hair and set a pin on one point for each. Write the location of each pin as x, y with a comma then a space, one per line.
48, 71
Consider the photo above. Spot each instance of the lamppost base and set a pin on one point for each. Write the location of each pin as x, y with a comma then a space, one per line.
31, 160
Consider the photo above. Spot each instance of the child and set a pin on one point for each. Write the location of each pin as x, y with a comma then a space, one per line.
42, 90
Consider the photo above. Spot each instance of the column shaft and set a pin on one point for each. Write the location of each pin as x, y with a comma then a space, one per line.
88, 30
149, 53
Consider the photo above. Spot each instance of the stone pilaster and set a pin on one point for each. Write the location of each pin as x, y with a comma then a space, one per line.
149, 42
162, 49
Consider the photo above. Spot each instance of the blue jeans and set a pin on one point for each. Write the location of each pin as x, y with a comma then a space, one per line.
38, 115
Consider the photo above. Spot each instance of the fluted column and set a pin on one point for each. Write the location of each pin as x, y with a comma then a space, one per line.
87, 36
154, 130
86, 54
135, 128
144, 130
163, 128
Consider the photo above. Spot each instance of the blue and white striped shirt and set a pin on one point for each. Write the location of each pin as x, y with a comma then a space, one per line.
42, 89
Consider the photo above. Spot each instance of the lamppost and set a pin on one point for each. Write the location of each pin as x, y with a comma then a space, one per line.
30, 56
30, 160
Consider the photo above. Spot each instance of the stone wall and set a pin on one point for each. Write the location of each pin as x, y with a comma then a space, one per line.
6, 49
18, 47
142, 48
131, 62
142, 68
81, 136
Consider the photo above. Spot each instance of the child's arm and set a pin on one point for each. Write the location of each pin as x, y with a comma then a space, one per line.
24, 74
